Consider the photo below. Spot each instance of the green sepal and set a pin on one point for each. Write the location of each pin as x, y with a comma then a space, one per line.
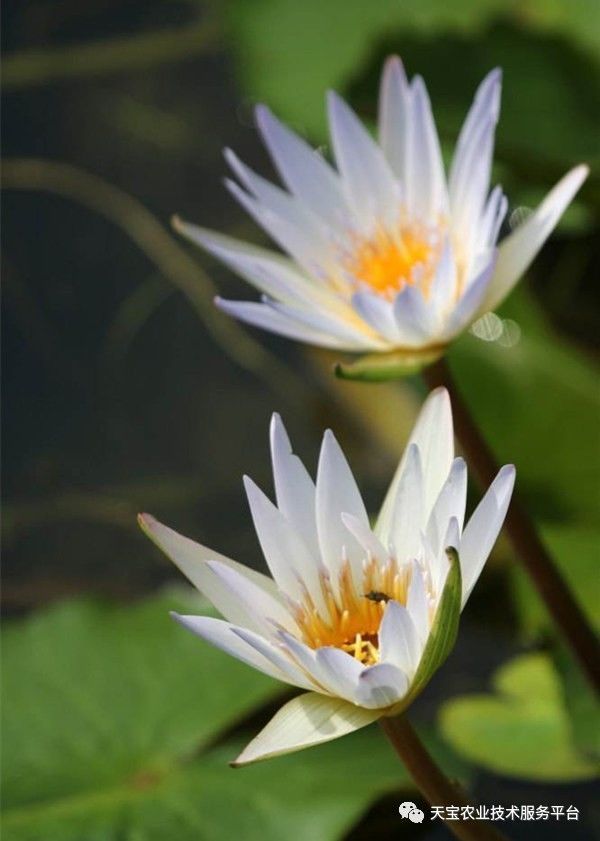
379, 367
443, 632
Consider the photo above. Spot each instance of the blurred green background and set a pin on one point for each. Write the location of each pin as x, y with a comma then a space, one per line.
124, 390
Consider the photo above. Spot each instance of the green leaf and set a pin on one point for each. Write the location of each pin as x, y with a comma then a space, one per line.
581, 704
523, 730
537, 402
379, 367
108, 715
443, 630
288, 59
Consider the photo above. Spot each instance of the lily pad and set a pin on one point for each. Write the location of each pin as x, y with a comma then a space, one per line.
523, 730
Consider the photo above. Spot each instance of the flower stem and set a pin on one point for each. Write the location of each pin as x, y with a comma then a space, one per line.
436, 788
534, 556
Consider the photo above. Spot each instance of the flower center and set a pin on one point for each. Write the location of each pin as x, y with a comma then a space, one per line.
388, 261
353, 614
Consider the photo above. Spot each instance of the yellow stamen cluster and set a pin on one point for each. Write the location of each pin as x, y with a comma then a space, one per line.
354, 614
387, 262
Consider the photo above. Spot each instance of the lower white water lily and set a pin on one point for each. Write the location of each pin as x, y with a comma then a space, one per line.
386, 252
358, 616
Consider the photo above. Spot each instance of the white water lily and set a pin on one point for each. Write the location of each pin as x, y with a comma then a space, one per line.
359, 617
386, 253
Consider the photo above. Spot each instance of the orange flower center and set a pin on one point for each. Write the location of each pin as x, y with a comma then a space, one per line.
387, 262
353, 618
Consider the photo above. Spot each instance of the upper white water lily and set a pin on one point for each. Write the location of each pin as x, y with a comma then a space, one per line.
359, 617
386, 253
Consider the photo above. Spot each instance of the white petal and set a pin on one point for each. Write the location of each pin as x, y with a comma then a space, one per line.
469, 305
349, 334
267, 271
294, 489
221, 634
337, 493
416, 319
279, 659
433, 434
398, 640
308, 720
266, 610
367, 178
287, 223
416, 604
286, 554
341, 670
483, 528
471, 166
408, 517
379, 314
303, 169
443, 287
426, 194
191, 558
381, 686
267, 318
517, 251
451, 502
370, 543
394, 105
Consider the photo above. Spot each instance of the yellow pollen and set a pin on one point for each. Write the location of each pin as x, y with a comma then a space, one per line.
386, 261
353, 616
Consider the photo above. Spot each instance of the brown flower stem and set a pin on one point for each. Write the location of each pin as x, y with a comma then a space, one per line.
534, 556
435, 787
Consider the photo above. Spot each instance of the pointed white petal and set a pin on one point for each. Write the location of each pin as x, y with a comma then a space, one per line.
416, 604
408, 516
443, 287
416, 320
367, 178
294, 489
370, 543
381, 686
285, 551
341, 671
471, 166
398, 640
469, 306
379, 314
191, 558
308, 720
517, 251
267, 318
267, 271
483, 528
433, 434
426, 193
303, 169
221, 634
337, 493
277, 657
451, 502
351, 334
394, 104
266, 610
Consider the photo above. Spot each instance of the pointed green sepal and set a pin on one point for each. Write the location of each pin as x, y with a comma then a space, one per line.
443, 632
379, 367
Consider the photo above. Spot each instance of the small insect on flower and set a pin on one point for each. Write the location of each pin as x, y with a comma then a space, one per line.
376, 596
386, 252
359, 617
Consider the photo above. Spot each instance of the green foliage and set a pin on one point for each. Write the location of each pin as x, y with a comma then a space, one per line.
522, 731
109, 714
538, 403
287, 58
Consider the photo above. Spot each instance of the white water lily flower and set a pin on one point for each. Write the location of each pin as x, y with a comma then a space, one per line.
386, 253
359, 617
